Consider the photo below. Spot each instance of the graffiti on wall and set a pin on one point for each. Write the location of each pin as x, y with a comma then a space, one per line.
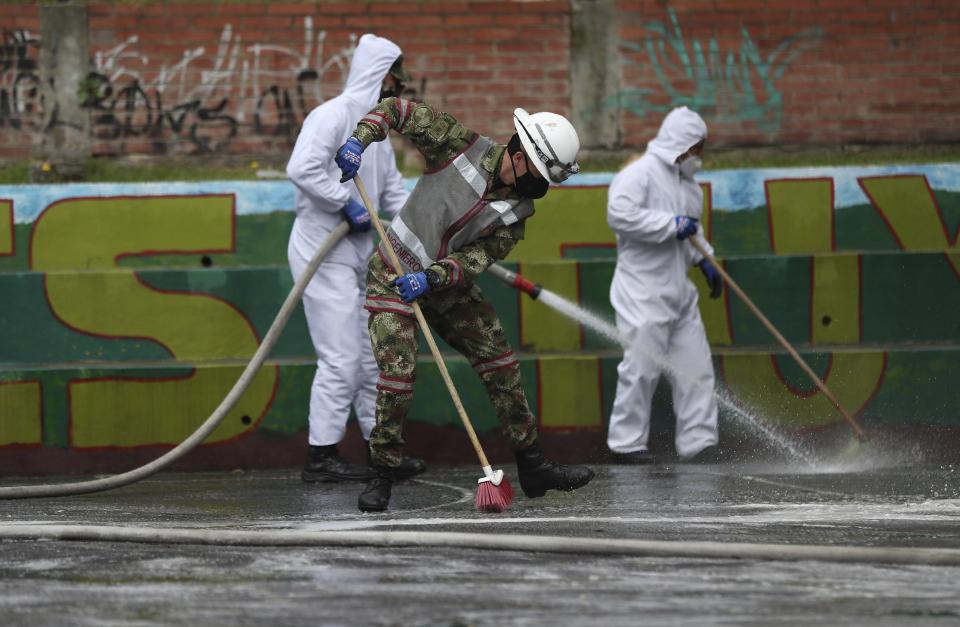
27, 100
20, 87
200, 101
739, 85
203, 97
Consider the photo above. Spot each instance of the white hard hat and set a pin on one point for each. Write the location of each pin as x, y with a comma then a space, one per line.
551, 143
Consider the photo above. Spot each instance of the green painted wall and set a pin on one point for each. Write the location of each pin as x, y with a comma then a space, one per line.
126, 319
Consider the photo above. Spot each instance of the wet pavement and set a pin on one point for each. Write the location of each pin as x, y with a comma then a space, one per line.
55, 582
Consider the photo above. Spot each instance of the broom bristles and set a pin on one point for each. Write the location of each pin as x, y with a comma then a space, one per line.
493, 499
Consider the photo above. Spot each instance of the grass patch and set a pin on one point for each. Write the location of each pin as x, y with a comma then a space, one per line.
844, 156
113, 171
246, 167
102, 170
792, 157
15, 172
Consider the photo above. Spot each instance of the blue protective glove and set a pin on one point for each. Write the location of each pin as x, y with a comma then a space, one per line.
686, 226
348, 158
357, 215
714, 280
412, 285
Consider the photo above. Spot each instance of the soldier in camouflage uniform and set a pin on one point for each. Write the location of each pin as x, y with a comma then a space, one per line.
467, 211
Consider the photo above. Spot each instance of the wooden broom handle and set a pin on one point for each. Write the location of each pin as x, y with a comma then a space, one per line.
783, 341
427, 334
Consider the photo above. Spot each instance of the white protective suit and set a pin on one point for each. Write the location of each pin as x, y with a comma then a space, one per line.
655, 302
333, 302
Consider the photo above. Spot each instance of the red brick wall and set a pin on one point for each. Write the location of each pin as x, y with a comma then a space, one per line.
847, 71
247, 90
239, 77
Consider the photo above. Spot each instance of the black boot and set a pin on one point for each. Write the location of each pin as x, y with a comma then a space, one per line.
325, 464
376, 496
538, 474
409, 467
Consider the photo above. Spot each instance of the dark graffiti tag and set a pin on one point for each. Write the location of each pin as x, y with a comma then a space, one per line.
208, 99
131, 112
200, 101
21, 93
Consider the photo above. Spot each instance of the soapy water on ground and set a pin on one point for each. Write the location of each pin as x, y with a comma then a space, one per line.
878, 497
125, 583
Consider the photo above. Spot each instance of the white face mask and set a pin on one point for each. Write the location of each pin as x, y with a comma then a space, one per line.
690, 166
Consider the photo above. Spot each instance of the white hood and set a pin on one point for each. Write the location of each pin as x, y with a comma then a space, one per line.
320, 195
371, 62
680, 131
650, 281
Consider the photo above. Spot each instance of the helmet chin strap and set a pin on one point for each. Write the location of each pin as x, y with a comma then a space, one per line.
514, 165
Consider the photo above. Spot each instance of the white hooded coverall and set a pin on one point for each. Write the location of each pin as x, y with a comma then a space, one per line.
333, 301
655, 302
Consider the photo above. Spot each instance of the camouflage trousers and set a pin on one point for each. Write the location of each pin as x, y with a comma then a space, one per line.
468, 323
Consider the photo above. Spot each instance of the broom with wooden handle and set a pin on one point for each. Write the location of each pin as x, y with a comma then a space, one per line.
783, 341
494, 493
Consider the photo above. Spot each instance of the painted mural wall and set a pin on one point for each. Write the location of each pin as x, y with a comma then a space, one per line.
213, 77
130, 310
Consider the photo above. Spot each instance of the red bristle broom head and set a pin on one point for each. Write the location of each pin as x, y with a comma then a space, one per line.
492, 498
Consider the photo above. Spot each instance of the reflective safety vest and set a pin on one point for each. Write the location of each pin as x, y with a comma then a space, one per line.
446, 211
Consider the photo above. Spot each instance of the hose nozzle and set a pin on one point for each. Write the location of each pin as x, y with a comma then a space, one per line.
516, 281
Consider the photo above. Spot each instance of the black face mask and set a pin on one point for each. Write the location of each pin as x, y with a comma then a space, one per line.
532, 187
528, 185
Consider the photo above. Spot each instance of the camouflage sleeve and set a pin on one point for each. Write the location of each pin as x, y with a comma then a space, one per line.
467, 263
437, 135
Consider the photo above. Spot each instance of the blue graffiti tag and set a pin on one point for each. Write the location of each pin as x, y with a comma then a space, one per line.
722, 86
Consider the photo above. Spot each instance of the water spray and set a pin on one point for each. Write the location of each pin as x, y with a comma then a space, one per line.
610, 332
857, 429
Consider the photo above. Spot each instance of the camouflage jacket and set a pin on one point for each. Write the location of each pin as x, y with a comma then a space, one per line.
439, 138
